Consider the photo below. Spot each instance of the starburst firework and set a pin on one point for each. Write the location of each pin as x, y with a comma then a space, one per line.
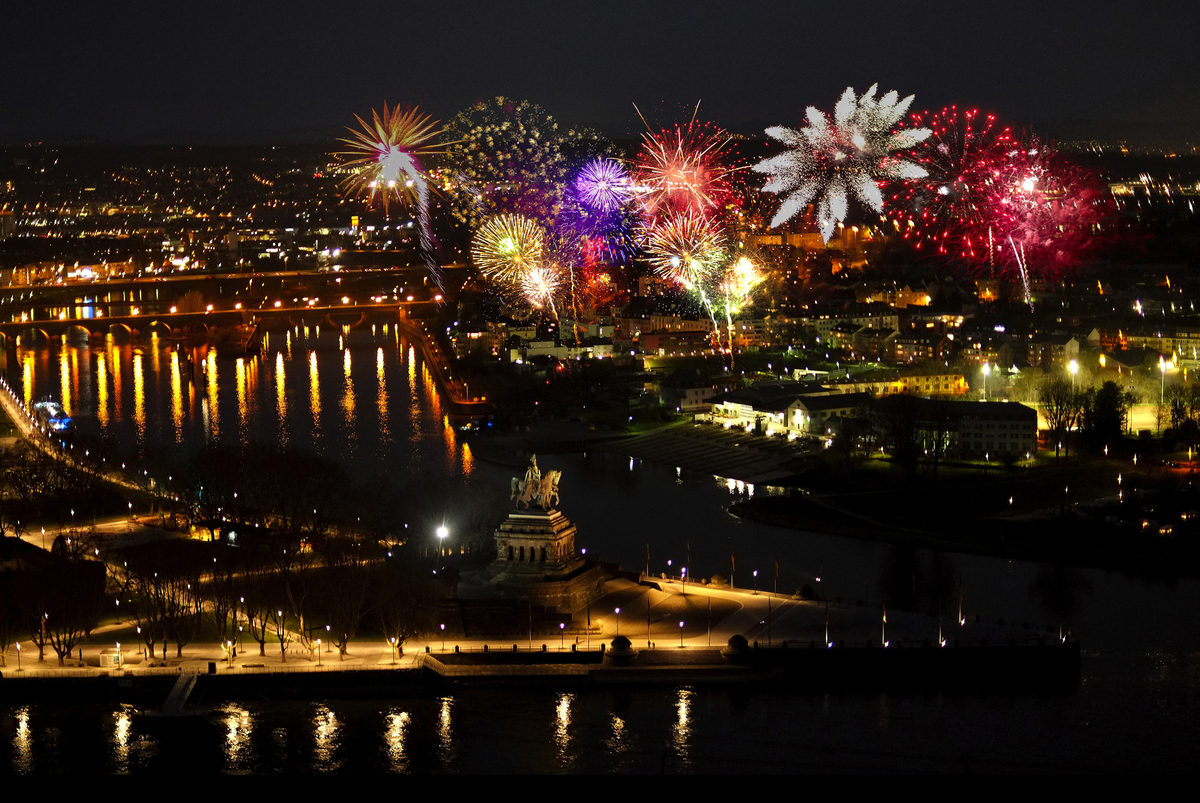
961, 157
384, 157
683, 170
827, 162
685, 248
506, 246
539, 285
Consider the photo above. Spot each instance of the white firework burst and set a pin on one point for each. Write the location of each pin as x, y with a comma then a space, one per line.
826, 162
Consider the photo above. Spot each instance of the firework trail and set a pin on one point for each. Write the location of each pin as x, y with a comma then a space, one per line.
735, 290
539, 285
827, 162
384, 158
961, 158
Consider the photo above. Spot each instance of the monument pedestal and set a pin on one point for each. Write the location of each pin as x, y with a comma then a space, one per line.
535, 558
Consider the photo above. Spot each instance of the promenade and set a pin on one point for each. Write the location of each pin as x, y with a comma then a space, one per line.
669, 617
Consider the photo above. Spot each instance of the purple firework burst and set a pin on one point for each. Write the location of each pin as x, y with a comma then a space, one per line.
602, 186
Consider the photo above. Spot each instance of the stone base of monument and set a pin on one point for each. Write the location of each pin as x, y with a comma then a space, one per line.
535, 559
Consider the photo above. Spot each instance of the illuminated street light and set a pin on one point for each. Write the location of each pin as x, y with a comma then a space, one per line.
1073, 367
617, 613
681, 635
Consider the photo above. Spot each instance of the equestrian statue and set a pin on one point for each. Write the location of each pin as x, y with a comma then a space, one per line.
535, 488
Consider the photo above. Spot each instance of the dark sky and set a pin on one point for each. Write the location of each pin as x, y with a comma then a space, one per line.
254, 72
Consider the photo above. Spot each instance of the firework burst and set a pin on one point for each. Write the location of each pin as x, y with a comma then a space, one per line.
539, 285
384, 157
1041, 213
685, 248
602, 186
506, 246
961, 157
508, 158
684, 169
827, 163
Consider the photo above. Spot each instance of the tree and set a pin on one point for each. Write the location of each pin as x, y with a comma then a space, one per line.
1062, 407
1104, 415
63, 598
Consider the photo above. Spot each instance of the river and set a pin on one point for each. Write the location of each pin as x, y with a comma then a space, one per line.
364, 397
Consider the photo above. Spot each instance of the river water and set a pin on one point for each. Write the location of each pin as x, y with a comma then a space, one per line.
365, 397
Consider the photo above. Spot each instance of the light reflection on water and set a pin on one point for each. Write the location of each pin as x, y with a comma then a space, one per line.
22, 743
327, 739
184, 395
562, 733
397, 723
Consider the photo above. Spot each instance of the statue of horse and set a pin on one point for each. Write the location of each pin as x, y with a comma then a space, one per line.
549, 489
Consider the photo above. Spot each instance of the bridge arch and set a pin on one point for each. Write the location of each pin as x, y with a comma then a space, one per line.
160, 328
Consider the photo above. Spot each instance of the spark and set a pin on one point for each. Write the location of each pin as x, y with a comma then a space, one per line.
506, 246
683, 169
825, 163
685, 248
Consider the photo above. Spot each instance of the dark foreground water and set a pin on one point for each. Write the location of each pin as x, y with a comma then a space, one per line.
365, 396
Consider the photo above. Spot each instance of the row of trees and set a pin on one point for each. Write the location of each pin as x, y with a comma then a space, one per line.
51, 599
292, 594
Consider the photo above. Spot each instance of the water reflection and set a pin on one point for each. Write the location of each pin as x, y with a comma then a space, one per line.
327, 738
22, 743
65, 382
348, 402
681, 731
213, 406
102, 389
121, 741
393, 737
281, 406
139, 398
445, 734
381, 398
176, 398
562, 734
239, 728
314, 392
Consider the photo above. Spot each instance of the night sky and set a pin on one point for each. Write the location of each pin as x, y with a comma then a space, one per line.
259, 72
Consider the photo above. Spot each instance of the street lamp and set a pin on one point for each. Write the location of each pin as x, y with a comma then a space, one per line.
318, 652
681, 635
562, 627
987, 371
443, 629
756, 581
1073, 367
442, 532
1162, 385
393, 640
617, 612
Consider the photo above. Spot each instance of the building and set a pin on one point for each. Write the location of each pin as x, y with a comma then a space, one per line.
685, 391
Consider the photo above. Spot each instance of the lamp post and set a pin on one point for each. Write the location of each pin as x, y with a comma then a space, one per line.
1162, 384
318, 652
617, 613
681, 635
756, 581
443, 629
393, 640
19, 669
562, 629
1073, 367
987, 371
442, 532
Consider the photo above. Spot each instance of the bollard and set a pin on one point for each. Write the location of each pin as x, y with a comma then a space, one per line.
514, 648
485, 648
543, 648
427, 650
573, 647
456, 648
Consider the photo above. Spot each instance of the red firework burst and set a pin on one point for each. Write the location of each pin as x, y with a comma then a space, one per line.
684, 169
940, 213
1041, 211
